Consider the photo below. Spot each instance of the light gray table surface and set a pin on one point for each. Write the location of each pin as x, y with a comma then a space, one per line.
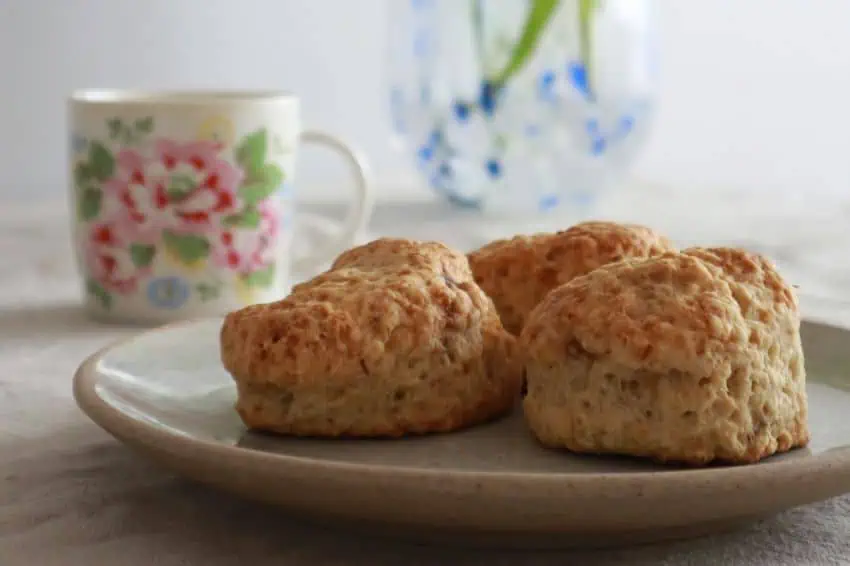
70, 495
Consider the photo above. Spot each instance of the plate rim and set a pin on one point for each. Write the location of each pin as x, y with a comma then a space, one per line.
831, 466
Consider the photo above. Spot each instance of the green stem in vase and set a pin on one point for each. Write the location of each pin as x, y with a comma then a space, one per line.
586, 9
478, 31
539, 15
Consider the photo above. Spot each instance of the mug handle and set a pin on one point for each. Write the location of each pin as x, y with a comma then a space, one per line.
359, 212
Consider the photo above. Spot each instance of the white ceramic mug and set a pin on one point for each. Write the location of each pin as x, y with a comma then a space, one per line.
183, 200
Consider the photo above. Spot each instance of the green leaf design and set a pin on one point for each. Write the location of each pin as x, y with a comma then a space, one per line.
180, 186
260, 278
262, 185
248, 218
144, 125
477, 17
97, 291
128, 137
88, 207
142, 255
586, 9
208, 291
114, 126
101, 162
82, 174
251, 152
539, 14
189, 248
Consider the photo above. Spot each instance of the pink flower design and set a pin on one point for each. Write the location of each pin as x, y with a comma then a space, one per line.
215, 181
181, 186
246, 250
190, 193
142, 198
109, 261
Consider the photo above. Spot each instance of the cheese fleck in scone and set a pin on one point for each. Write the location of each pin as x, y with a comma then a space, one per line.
518, 273
689, 357
395, 338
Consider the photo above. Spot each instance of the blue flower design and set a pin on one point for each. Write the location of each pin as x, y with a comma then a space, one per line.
168, 292
442, 179
487, 97
461, 111
426, 153
428, 150
463, 202
577, 74
494, 167
600, 140
598, 146
436, 181
546, 85
548, 202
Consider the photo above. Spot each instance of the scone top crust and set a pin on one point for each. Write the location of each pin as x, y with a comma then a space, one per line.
399, 253
688, 357
692, 312
517, 273
380, 305
396, 338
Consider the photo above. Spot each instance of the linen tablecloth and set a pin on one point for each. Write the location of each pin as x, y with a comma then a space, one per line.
70, 495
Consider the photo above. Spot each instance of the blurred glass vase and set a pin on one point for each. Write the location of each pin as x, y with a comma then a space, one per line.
517, 106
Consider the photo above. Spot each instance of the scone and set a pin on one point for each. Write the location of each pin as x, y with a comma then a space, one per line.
691, 358
517, 273
396, 338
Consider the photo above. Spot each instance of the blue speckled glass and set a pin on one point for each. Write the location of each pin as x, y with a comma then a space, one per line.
522, 105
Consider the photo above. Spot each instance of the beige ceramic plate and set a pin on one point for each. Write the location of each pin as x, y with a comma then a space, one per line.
165, 393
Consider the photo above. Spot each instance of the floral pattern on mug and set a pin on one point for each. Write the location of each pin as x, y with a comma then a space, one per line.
114, 264
186, 202
168, 292
217, 128
183, 187
248, 251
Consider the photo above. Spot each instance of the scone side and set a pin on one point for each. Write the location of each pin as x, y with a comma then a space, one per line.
416, 350
372, 406
656, 421
563, 385
439, 389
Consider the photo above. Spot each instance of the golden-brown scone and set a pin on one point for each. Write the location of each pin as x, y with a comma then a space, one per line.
395, 338
517, 273
691, 357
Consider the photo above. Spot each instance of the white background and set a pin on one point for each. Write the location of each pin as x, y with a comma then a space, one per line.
755, 92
